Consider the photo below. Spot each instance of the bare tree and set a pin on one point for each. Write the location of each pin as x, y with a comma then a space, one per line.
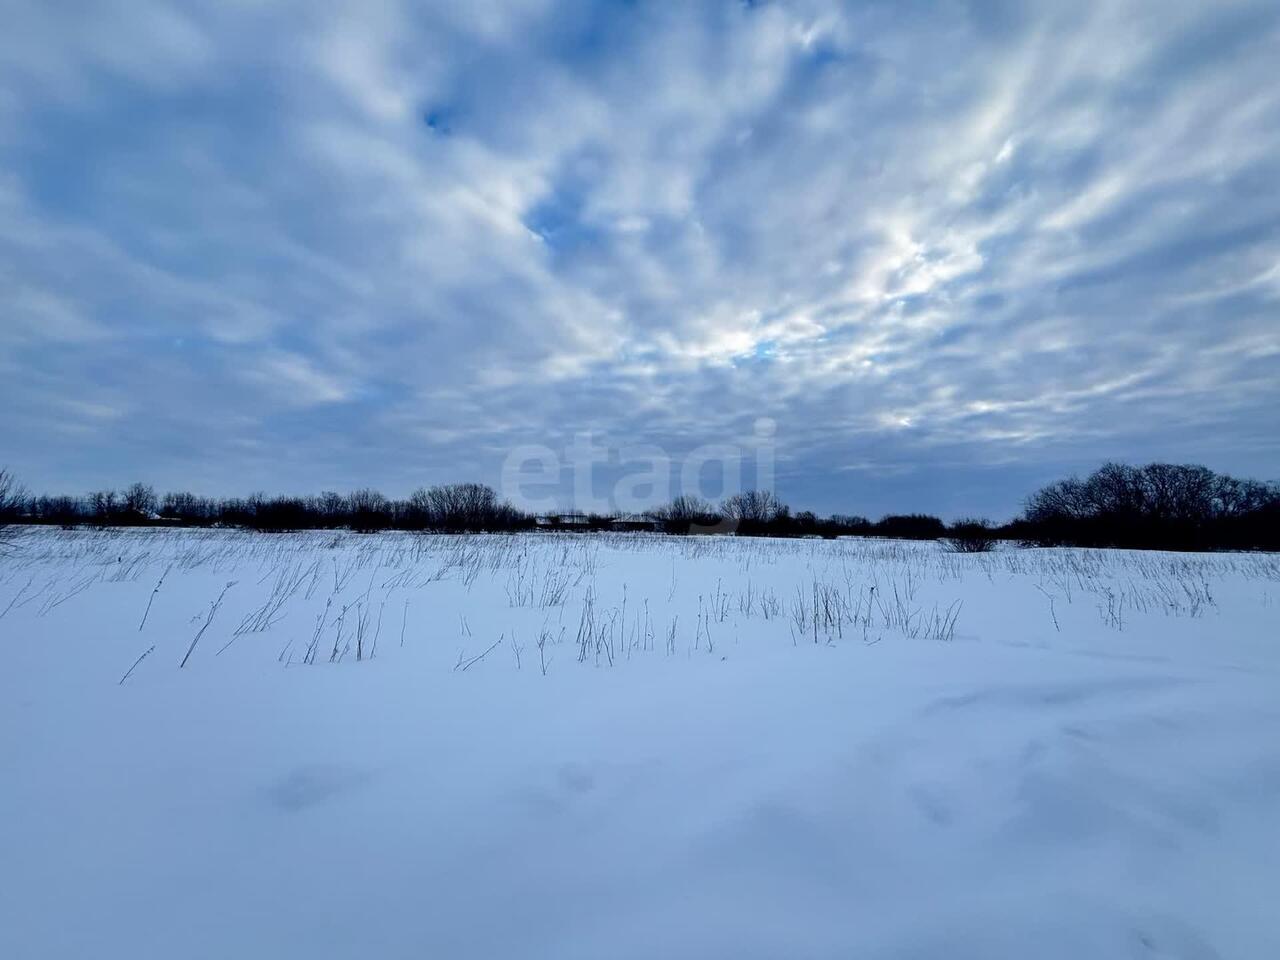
188, 507
63, 510
456, 507
369, 510
13, 502
686, 514
754, 506
685, 507
418, 510
1158, 505
13, 497
140, 501
332, 506
103, 506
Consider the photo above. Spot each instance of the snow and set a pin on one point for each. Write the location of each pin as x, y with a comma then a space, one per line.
940, 771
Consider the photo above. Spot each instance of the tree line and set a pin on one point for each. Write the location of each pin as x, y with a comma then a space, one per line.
1160, 506
1165, 506
451, 508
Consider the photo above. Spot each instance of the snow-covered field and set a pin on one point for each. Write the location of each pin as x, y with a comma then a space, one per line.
633, 747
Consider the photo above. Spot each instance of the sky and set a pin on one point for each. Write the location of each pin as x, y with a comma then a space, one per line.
944, 253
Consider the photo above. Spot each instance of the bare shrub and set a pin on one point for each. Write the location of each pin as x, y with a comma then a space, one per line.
686, 514
910, 526
971, 536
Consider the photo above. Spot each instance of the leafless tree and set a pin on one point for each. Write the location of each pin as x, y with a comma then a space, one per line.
62, 509
686, 508
462, 506
103, 505
187, 507
331, 505
369, 510
1160, 504
688, 514
13, 503
753, 506
13, 497
140, 501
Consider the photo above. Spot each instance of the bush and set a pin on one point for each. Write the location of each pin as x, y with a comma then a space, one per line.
911, 526
687, 514
845, 525
971, 536
282, 514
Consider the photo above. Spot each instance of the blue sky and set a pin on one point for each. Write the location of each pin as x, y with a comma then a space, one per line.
954, 250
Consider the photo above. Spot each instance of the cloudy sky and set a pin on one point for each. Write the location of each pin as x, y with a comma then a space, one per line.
953, 250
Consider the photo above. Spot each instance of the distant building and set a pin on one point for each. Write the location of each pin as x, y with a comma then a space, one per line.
582, 522
561, 521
